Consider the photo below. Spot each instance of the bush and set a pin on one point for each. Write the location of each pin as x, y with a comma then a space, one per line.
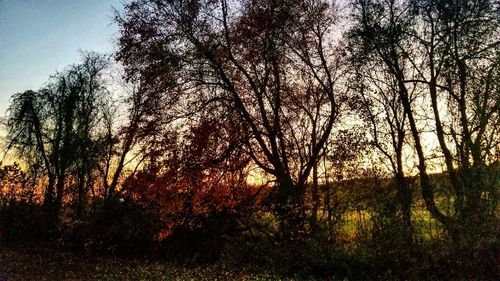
201, 243
27, 224
115, 227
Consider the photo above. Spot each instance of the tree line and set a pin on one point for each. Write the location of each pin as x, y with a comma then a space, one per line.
302, 95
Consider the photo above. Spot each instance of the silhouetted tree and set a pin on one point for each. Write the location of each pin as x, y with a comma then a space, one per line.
58, 129
123, 138
271, 62
380, 106
450, 50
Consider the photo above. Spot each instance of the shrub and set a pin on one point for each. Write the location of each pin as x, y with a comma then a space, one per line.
28, 224
115, 227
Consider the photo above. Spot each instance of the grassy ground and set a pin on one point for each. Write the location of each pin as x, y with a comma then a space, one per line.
19, 265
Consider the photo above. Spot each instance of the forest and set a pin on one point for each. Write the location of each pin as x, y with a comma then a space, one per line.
263, 140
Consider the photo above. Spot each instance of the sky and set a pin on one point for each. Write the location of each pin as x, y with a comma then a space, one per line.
40, 37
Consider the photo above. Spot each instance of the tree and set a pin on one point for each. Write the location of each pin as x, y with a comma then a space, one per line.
380, 106
14, 185
193, 174
441, 47
271, 62
123, 138
462, 61
58, 130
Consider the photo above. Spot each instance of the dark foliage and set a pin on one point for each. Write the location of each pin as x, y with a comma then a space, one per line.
26, 224
115, 227
250, 135
202, 244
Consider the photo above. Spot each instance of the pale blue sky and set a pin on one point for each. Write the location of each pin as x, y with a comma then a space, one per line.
40, 37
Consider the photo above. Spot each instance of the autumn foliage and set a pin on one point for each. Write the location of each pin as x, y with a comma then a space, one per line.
196, 178
342, 140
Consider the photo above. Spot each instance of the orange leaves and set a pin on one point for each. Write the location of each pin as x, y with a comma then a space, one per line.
188, 198
195, 174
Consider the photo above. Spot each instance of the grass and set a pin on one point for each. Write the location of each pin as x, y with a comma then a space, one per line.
24, 264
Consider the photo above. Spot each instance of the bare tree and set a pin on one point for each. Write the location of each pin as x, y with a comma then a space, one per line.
381, 108
270, 61
58, 129
444, 48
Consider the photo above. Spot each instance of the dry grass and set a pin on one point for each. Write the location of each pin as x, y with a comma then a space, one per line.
19, 265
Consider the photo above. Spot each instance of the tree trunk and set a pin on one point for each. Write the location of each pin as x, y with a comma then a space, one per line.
314, 199
82, 195
289, 208
425, 183
405, 199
